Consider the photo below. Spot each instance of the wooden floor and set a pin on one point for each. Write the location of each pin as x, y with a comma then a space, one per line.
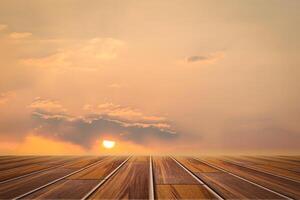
145, 177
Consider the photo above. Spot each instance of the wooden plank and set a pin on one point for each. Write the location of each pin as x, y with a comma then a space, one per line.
284, 186
33, 161
15, 172
12, 159
15, 188
195, 165
277, 163
84, 161
100, 170
130, 182
294, 159
29, 168
231, 187
65, 189
267, 167
78, 185
167, 171
182, 192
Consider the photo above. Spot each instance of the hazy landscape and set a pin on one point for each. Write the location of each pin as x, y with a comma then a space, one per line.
149, 99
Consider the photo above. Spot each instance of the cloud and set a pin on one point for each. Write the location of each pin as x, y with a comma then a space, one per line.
209, 59
196, 58
19, 35
3, 27
125, 113
90, 53
46, 105
106, 119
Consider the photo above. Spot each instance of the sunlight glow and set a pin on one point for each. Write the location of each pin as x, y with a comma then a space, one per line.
108, 144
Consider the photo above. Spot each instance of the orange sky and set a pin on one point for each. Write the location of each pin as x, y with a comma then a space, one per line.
156, 76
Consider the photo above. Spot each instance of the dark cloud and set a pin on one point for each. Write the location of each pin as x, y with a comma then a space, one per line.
196, 58
85, 130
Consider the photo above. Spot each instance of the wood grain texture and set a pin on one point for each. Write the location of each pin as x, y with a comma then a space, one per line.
268, 167
65, 189
195, 165
286, 187
12, 159
21, 163
276, 163
182, 192
294, 159
19, 171
167, 171
100, 170
84, 161
130, 182
231, 187
29, 168
18, 187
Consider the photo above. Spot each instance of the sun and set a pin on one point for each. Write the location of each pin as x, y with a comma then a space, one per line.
108, 144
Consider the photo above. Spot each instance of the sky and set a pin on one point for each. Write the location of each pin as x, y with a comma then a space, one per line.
159, 77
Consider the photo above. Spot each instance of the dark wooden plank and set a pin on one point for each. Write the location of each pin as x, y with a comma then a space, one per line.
29, 168
76, 186
28, 162
167, 171
100, 170
294, 159
130, 182
12, 159
266, 166
15, 188
83, 162
182, 192
19, 171
65, 189
283, 186
231, 187
277, 163
195, 165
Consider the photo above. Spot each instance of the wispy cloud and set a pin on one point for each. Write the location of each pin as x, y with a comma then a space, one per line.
47, 105
81, 54
205, 59
19, 35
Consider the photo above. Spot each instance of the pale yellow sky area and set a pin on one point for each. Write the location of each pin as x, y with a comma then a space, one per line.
172, 76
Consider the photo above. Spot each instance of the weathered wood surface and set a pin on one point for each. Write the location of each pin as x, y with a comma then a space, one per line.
35, 165
228, 186
17, 187
31, 161
182, 192
167, 171
76, 186
101, 170
65, 189
130, 182
272, 166
195, 165
283, 186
